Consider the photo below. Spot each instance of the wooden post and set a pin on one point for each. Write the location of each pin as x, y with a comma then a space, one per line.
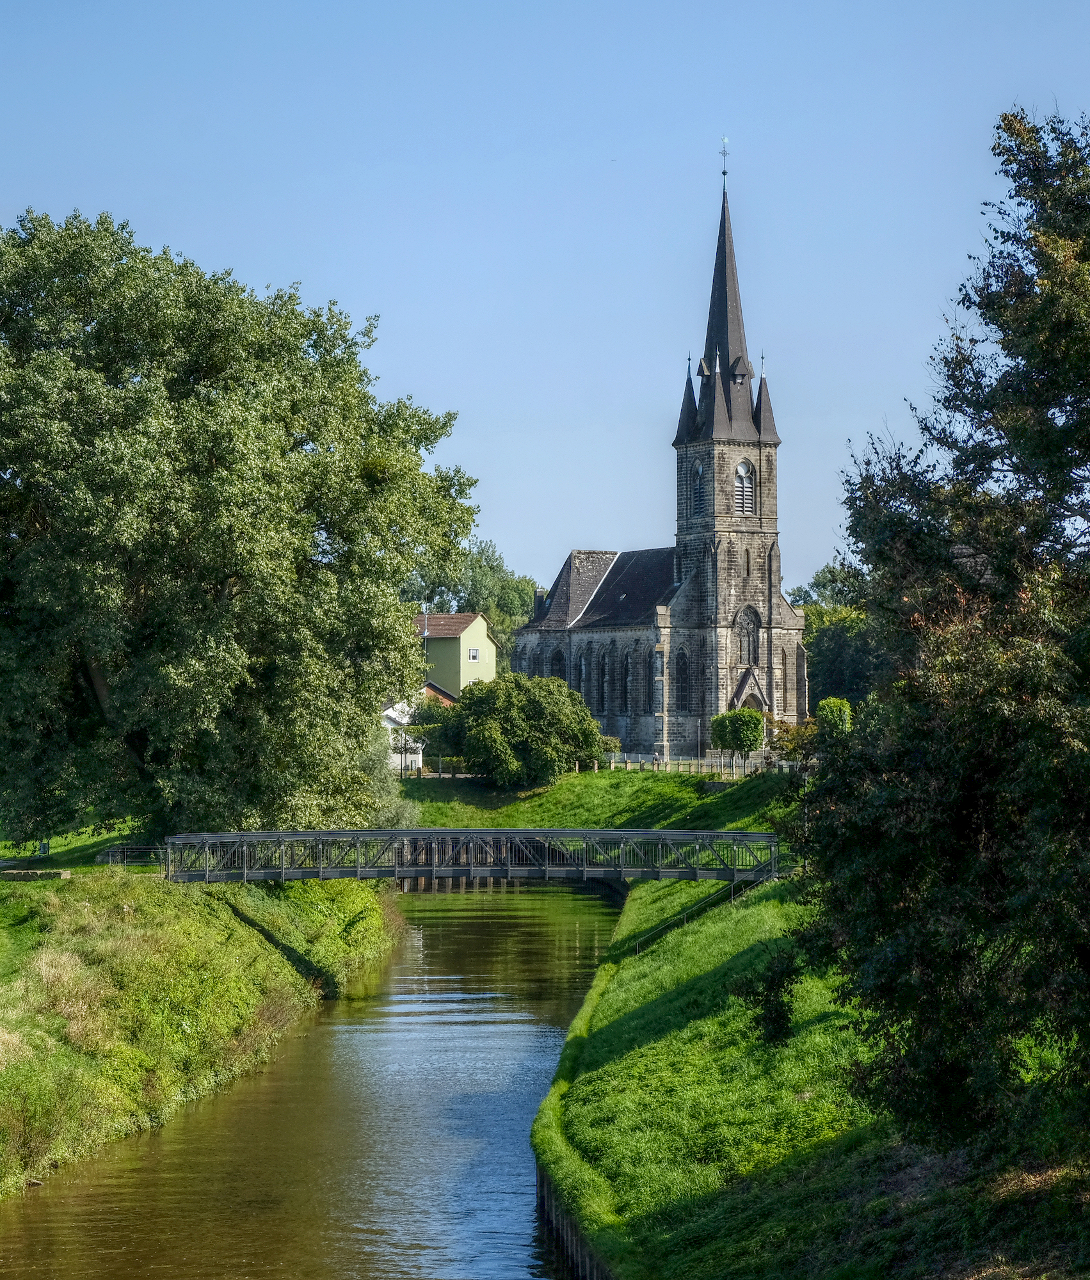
596, 766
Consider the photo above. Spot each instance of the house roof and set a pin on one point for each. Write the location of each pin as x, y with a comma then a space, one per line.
433, 690
575, 584
445, 626
636, 583
604, 589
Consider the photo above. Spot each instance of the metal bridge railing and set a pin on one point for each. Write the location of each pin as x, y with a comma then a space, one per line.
505, 853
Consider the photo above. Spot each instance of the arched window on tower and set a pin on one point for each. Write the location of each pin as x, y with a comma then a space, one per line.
602, 672
681, 680
743, 490
559, 666
696, 491
626, 685
749, 643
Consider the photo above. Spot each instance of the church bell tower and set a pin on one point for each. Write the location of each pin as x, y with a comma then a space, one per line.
727, 543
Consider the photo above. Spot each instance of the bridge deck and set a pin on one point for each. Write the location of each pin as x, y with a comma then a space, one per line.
529, 853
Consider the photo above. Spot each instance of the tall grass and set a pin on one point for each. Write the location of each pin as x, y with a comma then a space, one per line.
123, 996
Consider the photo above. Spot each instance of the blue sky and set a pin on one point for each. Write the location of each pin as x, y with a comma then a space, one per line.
528, 197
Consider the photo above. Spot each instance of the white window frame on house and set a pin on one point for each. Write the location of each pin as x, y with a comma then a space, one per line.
474, 655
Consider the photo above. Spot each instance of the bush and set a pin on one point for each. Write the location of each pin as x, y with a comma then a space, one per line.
834, 718
742, 730
515, 730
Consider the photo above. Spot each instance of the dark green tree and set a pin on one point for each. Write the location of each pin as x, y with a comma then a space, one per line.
207, 518
948, 829
845, 653
478, 582
515, 730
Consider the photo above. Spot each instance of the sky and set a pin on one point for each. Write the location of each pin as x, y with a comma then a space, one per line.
528, 198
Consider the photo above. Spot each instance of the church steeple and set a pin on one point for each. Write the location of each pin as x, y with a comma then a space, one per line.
726, 398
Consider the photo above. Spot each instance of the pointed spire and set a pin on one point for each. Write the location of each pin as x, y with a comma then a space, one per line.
766, 423
726, 340
686, 423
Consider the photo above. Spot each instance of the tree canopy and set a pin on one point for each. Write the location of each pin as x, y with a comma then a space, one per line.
845, 657
516, 730
740, 730
207, 520
948, 828
478, 581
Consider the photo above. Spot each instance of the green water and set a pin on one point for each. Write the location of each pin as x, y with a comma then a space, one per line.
389, 1138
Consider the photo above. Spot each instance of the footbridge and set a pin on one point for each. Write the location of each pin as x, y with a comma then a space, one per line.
443, 853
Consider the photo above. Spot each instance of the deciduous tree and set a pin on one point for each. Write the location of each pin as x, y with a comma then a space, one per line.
516, 730
207, 517
948, 830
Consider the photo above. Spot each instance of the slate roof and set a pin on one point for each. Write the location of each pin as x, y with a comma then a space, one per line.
635, 584
604, 589
444, 626
576, 582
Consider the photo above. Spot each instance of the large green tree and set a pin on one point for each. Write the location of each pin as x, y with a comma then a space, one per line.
948, 829
207, 518
478, 582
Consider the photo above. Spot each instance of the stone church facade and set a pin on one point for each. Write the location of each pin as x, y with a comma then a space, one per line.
659, 641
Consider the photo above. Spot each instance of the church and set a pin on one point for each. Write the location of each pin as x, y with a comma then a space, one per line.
659, 641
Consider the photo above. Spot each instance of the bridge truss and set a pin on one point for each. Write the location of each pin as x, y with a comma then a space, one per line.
442, 853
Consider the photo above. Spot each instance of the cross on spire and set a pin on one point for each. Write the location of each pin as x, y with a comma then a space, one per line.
724, 153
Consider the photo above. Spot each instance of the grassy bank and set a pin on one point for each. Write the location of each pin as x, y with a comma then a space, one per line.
690, 1147
123, 996
605, 800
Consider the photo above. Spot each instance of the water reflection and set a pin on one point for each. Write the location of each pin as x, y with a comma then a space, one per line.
388, 1139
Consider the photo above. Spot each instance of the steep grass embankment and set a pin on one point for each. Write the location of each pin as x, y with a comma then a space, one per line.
123, 996
688, 1146
602, 801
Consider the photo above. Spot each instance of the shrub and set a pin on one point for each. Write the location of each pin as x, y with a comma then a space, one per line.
515, 730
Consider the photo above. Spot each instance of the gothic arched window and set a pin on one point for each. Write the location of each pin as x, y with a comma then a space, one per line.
602, 684
743, 490
583, 676
681, 680
696, 491
559, 666
626, 686
749, 644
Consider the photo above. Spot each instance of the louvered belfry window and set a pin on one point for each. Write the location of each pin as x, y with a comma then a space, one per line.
743, 490
697, 491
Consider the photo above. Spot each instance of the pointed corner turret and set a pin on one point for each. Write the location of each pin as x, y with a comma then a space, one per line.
763, 417
686, 423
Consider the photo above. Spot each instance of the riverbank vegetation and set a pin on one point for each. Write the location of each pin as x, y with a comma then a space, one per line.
124, 996
605, 800
690, 1143
882, 1069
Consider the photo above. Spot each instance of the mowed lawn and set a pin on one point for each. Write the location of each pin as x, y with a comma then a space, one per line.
600, 801
690, 1148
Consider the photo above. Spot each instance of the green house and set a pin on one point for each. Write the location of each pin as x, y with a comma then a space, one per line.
458, 649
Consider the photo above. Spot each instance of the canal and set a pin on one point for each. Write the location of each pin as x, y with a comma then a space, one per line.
388, 1138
